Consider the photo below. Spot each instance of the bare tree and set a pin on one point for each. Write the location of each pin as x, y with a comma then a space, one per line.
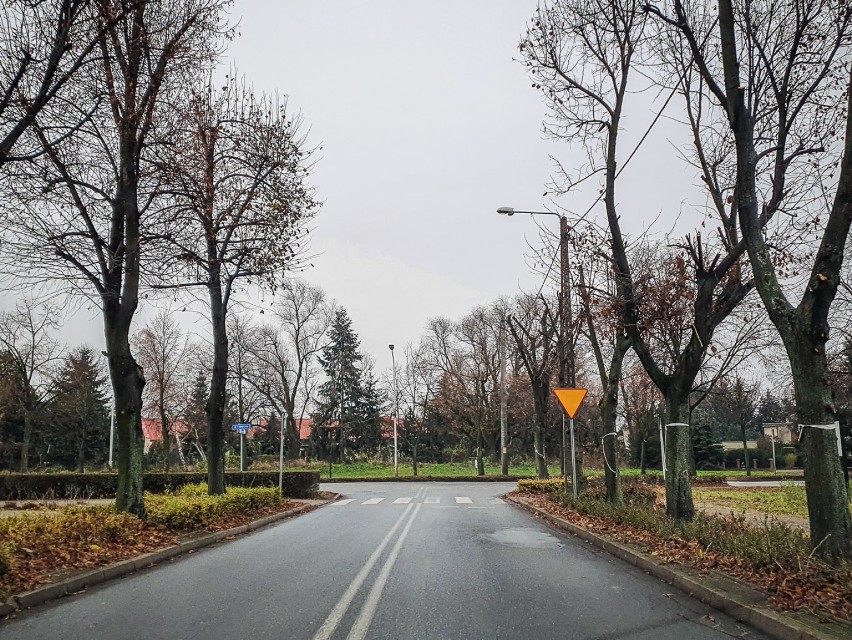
780, 83
31, 355
417, 390
284, 351
535, 329
238, 175
607, 336
92, 208
581, 53
467, 355
163, 351
42, 45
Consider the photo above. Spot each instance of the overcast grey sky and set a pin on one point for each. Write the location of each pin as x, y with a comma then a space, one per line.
428, 123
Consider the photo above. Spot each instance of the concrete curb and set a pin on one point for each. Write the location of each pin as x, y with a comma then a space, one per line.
730, 596
80, 581
430, 479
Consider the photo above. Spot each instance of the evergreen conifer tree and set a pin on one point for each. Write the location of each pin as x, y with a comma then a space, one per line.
340, 398
79, 425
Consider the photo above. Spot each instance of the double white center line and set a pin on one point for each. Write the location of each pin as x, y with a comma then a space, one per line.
362, 623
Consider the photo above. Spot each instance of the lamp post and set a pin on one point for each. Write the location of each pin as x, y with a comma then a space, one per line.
395, 415
504, 431
567, 369
111, 417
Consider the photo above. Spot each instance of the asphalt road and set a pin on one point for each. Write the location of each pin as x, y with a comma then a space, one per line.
391, 560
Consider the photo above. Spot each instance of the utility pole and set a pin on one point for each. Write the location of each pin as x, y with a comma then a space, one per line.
565, 342
395, 415
567, 368
504, 431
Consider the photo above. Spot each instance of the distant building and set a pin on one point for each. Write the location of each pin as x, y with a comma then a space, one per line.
737, 445
783, 432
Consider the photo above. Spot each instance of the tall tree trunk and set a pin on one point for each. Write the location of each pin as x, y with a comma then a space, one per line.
414, 458
293, 442
81, 449
828, 500
540, 393
218, 385
127, 384
164, 431
745, 450
610, 450
643, 469
25, 443
679, 504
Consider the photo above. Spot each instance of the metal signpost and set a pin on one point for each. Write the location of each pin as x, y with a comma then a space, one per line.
281, 454
571, 399
242, 429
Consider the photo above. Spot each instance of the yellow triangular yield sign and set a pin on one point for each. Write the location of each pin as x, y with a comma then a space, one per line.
570, 399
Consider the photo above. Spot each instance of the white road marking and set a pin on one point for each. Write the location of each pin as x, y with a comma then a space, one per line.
433, 501
402, 500
373, 501
496, 501
333, 620
463, 500
362, 624
340, 503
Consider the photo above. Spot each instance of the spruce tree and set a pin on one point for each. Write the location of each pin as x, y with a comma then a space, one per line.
79, 411
339, 399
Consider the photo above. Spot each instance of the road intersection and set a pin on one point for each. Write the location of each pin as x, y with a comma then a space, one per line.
390, 560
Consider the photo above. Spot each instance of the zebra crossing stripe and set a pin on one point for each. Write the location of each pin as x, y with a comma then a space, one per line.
402, 500
432, 501
340, 503
463, 500
373, 501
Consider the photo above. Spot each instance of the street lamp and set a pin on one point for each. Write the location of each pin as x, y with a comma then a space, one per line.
567, 369
111, 416
395, 415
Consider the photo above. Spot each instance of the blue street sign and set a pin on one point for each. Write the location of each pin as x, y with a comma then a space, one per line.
242, 428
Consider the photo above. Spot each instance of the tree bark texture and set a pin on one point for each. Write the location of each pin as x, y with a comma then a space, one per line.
828, 500
679, 505
610, 450
216, 401
127, 383
25, 442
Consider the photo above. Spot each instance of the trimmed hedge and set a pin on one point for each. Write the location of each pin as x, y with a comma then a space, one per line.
429, 479
72, 486
191, 508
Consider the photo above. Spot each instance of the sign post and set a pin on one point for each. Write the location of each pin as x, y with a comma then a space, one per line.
242, 429
571, 399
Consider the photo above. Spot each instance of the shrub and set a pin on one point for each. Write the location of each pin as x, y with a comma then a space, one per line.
191, 508
764, 546
790, 460
536, 485
633, 492
58, 486
7, 557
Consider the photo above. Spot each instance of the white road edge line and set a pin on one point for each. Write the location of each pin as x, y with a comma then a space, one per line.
362, 624
333, 620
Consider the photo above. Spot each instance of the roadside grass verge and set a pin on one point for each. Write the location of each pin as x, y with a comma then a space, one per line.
773, 556
787, 500
38, 546
437, 470
466, 469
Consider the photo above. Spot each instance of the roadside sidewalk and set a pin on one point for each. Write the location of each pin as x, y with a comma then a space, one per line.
80, 580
